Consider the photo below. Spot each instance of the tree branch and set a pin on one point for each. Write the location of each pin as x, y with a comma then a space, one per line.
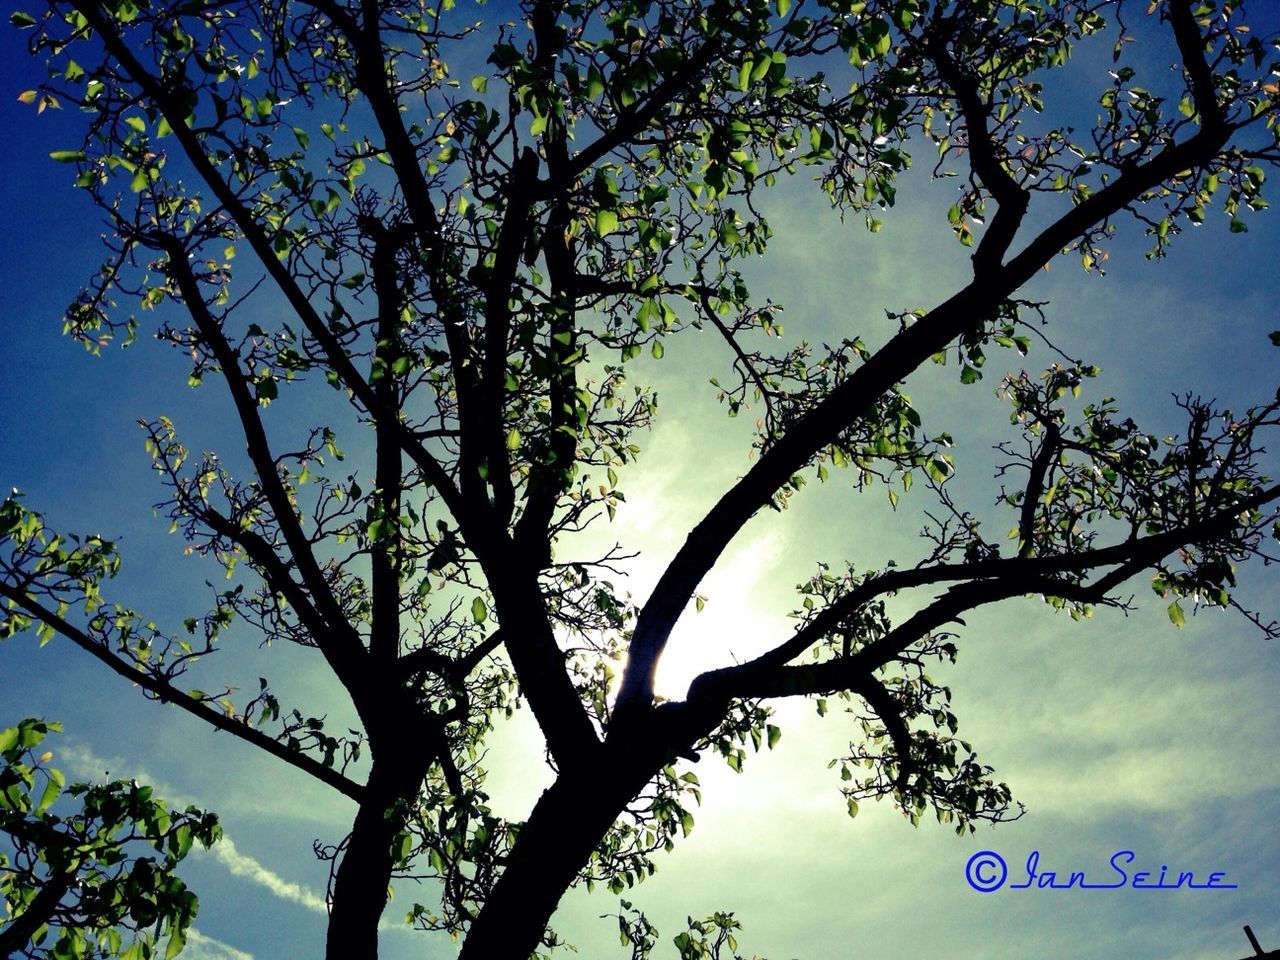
15, 938
964, 310
1191, 45
1127, 558
340, 644
630, 122
1035, 488
171, 108
385, 551
890, 714
166, 692
986, 163
273, 570
472, 508
426, 658
498, 287
987, 582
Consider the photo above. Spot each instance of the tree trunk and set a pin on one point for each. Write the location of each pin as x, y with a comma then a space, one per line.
566, 824
360, 886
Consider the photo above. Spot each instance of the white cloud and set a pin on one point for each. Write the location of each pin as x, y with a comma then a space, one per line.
239, 864
243, 865
86, 764
200, 947
1152, 748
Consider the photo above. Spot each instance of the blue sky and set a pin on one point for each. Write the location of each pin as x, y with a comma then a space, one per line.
1118, 733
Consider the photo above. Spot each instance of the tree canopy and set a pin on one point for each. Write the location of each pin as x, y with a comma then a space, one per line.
448, 237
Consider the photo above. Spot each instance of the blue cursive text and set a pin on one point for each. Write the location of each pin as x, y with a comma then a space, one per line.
987, 872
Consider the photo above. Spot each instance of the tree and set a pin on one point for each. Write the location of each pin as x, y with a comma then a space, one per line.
476, 266
81, 875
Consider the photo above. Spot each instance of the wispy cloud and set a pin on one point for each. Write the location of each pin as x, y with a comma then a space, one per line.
243, 865
86, 764
200, 947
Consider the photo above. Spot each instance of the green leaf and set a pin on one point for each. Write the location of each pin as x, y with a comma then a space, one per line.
479, 84
938, 469
22, 20
479, 611
595, 83
1176, 615
513, 439
8, 739
775, 734
403, 845
52, 789
67, 156
606, 222
177, 941
880, 38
